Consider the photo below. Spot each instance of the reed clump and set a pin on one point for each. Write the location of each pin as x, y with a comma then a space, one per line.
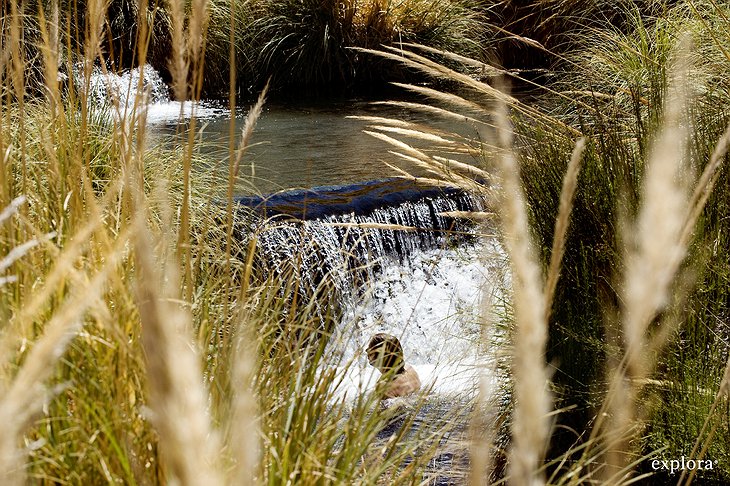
305, 45
624, 112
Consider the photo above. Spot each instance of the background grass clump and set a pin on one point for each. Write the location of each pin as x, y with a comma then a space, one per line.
305, 46
619, 84
299, 45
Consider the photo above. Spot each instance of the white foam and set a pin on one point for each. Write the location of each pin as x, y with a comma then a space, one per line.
170, 112
434, 305
112, 89
105, 87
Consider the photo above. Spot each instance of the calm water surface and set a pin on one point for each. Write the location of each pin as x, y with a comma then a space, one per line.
303, 144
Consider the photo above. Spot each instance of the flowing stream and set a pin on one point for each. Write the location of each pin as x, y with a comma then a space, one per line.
427, 293
430, 291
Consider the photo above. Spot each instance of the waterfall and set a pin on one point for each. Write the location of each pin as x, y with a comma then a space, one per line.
104, 87
107, 88
429, 287
335, 239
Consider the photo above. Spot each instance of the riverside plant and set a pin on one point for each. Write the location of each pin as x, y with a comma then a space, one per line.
627, 72
306, 42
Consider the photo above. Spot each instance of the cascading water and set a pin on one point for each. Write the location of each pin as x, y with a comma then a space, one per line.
392, 260
106, 89
352, 232
426, 286
420, 282
423, 282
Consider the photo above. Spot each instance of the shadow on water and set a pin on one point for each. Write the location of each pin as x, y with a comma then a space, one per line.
441, 425
357, 199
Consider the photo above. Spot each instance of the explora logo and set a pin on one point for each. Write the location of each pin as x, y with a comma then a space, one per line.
682, 464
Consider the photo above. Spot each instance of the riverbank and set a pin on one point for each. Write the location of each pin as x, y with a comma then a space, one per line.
306, 48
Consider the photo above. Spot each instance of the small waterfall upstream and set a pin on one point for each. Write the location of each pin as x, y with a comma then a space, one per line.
106, 89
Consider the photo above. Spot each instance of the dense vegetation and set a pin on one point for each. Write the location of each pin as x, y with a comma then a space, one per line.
125, 294
620, 81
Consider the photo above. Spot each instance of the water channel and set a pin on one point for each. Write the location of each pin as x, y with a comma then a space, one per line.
433, 299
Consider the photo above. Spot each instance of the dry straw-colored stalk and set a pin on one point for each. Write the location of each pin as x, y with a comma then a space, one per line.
470, 215
567, 195
49, 48
96, 17
178, 397
245, 427
452, 99
652, 263
195, 41
437, 70
434, 110
452, 171
247, 132
380, 120
532, 400
198, 21
179, 64
492, 71
419, 135
234, 164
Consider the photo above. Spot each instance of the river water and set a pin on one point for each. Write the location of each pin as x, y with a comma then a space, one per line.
302, 144
296, 144
434, 301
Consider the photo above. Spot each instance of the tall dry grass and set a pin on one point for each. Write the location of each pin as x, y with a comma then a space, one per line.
655, 252
178, 399
532, 401
71, 299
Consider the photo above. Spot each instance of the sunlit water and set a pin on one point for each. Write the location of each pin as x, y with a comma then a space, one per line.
435, 304
435, 301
